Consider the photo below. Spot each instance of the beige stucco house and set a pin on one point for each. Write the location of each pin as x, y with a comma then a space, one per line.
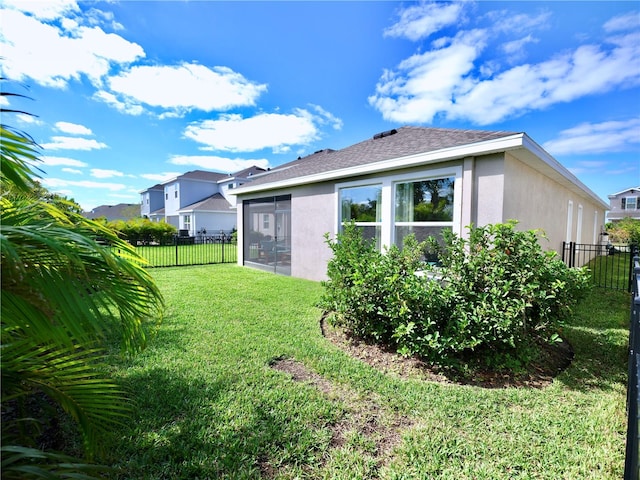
409, 180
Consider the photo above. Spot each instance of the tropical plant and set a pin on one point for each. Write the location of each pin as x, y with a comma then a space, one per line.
69, 286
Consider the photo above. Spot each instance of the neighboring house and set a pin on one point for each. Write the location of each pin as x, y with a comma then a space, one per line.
122, 211
409, 180
624, 204
196, 201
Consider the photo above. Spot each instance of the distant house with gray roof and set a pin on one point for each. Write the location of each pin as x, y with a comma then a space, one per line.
624, 204
196, 201
121, 211
409, 180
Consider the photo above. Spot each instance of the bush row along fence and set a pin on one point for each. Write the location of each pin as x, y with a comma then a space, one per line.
611, 266
633, 399
183, 251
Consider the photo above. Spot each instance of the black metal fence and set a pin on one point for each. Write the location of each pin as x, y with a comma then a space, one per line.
633, 442
611, 266
186, 250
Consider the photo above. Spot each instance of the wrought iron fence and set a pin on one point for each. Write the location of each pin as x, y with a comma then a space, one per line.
633, 399
611, 266
187, 250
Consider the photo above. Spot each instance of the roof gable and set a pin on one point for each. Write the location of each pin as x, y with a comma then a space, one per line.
215, 202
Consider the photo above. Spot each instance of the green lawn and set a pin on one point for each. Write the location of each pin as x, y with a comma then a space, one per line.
210, 405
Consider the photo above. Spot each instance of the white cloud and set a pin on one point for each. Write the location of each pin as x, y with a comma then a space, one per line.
73, 128
44, 10
627, 21
592, 138
124, 106
73, 143
160, 177
234, 133
448, 80
52, 55
72, 171
102, 173
61, 183
62, 161
201, 87
420, 21
219, 164
515, 49
423, 84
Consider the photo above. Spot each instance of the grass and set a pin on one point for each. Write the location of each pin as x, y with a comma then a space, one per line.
210, 405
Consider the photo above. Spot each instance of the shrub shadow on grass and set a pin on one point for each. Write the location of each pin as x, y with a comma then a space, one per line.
199, 432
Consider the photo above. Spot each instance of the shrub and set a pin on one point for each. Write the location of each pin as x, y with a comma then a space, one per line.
626, 230
496, 291
142, 230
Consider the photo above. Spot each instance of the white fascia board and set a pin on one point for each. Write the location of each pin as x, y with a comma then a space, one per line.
437, 156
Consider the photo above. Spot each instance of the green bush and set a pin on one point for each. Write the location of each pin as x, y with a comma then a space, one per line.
626, 230
143, 231
496, 292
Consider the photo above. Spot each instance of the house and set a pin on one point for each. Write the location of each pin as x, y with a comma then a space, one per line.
121, 211
409, 180
624, 204
197, 201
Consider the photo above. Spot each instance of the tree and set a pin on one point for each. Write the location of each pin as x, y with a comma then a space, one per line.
69, 285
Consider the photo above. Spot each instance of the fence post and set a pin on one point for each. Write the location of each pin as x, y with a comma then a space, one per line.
176, 242
222, 246
633, 443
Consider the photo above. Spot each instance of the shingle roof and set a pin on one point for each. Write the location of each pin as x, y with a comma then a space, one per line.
396, 143
202, 175
121, 211
248, 172
215, 202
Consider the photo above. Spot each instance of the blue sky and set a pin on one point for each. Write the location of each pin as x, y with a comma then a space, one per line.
128, 94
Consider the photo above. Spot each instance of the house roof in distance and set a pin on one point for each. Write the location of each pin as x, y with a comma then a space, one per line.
121, 211
631, 190
214, 203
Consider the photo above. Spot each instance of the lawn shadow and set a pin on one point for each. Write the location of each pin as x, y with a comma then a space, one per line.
195, 432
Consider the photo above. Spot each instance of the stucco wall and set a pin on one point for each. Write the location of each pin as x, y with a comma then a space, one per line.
313, 213
538, 201
488, 190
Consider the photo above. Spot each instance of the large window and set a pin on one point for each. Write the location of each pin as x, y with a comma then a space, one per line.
423, 208
187, 222
362, 205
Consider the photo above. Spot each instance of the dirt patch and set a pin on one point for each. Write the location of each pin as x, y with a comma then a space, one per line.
554, 359
364, 417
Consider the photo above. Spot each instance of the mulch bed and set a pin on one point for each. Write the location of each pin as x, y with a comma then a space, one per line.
553, 359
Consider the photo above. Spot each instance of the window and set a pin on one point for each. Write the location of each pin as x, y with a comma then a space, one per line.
166, 196
187, 222
630, 203
265, 221
423, 207
175, 194
362, 205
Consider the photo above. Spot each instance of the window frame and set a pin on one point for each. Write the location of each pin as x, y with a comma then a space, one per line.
387, 198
